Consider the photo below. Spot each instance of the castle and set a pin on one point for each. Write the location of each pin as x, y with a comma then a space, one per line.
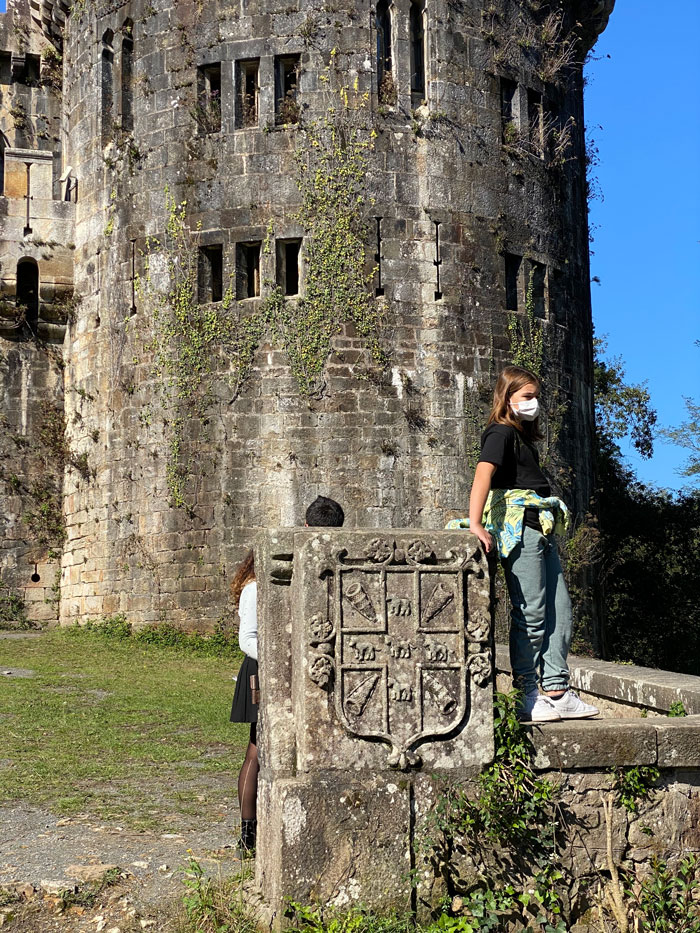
255, 250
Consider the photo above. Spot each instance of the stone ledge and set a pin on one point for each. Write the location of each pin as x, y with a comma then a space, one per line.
605, 743
587, 743
678, 742
643, 687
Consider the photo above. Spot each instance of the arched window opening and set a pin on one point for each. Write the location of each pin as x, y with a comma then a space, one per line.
28, 292
107, 81
127, 76
418, 56
385, 76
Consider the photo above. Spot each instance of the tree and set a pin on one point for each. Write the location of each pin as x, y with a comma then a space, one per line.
687, 435
649, 569
621, 409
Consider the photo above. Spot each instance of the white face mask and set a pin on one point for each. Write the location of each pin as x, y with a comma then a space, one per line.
527, 410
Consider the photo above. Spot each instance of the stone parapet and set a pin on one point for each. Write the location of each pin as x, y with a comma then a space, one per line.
625, 690
375, 671
605, 743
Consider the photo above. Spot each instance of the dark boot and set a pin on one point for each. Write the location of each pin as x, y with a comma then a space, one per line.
246, 845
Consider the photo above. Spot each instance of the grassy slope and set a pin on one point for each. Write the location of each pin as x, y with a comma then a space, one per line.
117, 730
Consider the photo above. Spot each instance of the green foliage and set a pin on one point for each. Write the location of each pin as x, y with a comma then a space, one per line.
185, 340
650, 580
308, 919
474, 422
687, 435
214, 906
44, 515
622, 410
220, 644
509, 829
667, 901
525, 335
118, 729
86, 895
189, 341
12, 609
676, 710
332, 166
51, 68
634, 784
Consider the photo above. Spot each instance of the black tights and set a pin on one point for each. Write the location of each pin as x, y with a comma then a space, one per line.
248, 778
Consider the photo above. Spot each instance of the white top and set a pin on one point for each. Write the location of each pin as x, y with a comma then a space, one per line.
248, 612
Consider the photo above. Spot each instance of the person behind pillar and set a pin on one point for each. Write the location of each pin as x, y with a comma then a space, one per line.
323, 512
511, 500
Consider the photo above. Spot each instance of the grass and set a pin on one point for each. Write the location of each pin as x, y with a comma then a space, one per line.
118, 729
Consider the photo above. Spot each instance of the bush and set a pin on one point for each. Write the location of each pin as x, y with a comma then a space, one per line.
220, 644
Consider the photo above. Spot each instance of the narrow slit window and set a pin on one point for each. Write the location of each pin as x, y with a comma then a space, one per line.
28, 292
535, 287
379, 290
557, 297
209, 98
247, 91
509, 125
534, 121
5, 67
127, 76
211, 273
107, 89
32, 69
248, 270
386, 88
288, 258
287, 89
417, 36
512, 276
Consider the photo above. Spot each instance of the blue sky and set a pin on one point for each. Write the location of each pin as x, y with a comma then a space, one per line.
646, 247
643, 111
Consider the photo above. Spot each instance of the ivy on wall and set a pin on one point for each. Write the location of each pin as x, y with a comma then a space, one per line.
192, 344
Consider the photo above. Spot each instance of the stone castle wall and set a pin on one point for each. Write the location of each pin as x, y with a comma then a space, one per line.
478, 177
36, 274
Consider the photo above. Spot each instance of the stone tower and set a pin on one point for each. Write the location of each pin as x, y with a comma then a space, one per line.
302, 238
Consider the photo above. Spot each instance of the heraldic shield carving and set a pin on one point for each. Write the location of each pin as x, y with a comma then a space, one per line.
397, 646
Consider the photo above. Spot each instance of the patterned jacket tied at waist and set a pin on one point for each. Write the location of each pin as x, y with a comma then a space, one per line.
504, 514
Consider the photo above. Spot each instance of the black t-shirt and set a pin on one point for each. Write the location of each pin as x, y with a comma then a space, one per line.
517, 464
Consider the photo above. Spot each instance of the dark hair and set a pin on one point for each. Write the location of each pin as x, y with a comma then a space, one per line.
245, 573
325, 512
511, 380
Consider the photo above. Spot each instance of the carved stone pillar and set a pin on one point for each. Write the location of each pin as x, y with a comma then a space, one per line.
376, 679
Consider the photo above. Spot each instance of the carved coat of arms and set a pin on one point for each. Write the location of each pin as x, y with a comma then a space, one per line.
397, 646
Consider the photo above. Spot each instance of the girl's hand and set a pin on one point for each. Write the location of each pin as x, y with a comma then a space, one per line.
483, 536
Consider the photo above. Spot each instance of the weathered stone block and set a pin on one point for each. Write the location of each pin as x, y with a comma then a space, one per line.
591, 743
678, 742
334, 840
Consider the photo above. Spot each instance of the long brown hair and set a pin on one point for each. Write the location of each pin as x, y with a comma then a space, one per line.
245, 573
511, 380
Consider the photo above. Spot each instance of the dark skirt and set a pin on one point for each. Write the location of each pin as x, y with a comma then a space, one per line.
246, 694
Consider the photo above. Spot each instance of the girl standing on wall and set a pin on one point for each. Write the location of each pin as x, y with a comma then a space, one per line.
511, 500
244, 591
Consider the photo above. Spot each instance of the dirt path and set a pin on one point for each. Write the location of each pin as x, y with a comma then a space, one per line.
42, 856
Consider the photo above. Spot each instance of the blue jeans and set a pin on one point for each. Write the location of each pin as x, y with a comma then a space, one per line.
540, 631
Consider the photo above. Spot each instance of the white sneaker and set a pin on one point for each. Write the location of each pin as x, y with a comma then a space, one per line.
536, 707
572, 707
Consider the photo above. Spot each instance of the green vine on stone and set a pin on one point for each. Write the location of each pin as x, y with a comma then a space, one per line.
332, 161
185, 341
509, 827
525, 336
